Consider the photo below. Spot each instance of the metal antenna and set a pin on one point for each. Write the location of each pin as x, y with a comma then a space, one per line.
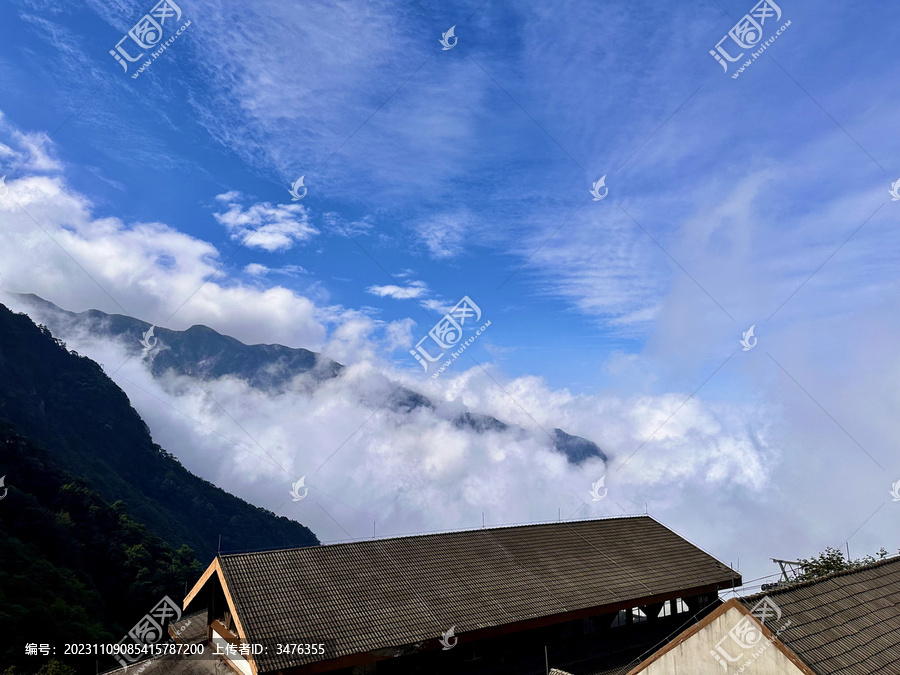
788, 565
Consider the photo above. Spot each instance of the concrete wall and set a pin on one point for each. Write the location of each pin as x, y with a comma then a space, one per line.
693, 657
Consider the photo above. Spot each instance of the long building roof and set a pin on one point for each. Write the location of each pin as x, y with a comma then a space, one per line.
847, 622
392, 593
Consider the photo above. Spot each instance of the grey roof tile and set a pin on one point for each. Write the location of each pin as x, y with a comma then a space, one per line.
362, 596
847, 623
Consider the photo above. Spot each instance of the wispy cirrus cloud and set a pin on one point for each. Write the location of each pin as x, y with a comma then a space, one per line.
260, 270
335, 222
443, 236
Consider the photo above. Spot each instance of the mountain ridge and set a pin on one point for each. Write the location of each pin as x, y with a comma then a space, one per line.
65, 402
203, 352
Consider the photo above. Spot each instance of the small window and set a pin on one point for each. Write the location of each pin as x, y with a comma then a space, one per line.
680, 608
621, 619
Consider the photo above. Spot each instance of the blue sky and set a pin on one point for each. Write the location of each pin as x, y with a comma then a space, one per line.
454, 169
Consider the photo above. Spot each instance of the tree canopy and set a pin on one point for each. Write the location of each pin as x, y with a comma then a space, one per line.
832, 560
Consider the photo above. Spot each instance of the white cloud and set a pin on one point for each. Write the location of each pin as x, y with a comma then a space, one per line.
399, 334
263, 225
31, 152
436, 305
257, 270
260, 270
414, 289
146, 270
230, 196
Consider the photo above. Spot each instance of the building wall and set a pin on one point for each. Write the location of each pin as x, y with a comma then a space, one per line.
219, 643
694, 657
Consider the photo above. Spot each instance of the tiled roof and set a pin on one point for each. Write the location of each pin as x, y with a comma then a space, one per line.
190, 628
379, 594
847, 623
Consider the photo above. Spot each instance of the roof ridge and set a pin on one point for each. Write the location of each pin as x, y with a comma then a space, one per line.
810, 582
444, 532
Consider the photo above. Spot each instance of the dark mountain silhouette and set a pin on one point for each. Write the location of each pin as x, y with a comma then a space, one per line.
198, 351
67, 404
73, 568
203, 353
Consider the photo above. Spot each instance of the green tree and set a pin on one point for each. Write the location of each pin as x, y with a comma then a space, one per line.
54, 667
832, 560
